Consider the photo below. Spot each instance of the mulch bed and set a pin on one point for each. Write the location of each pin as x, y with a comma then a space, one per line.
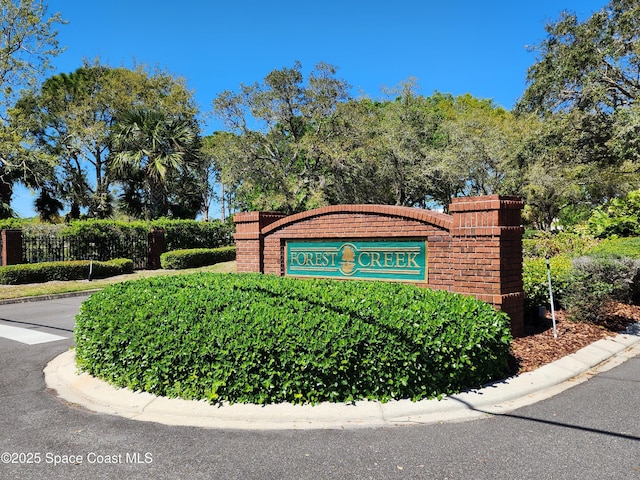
539, 347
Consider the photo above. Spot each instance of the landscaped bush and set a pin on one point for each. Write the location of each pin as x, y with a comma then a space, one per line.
617, 247
186, 234
107, 239
620, 217
595, 280
259, 339
13, 222
539, 244
74, 270
196, 257
536, 280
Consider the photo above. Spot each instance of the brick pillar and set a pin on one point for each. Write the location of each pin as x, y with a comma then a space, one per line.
249, 239
157, 246
487, 252
11, 246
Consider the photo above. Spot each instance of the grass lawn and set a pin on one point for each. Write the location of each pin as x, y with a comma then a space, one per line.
8, 292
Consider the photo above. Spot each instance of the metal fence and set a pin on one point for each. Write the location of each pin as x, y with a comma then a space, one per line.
52, 247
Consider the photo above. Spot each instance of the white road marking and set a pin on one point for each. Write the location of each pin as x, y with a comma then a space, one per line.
28, 336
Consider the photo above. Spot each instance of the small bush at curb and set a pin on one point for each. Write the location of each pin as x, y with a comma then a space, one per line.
261, 339
74, 270
196, 257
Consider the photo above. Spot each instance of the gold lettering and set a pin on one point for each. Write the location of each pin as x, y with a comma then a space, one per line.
298, 258
412, 260
401, 260
308, 259
375, 260
388, 259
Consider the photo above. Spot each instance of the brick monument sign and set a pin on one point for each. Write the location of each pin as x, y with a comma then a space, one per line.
476, 249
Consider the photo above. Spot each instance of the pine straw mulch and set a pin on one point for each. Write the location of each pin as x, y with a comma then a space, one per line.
539, 347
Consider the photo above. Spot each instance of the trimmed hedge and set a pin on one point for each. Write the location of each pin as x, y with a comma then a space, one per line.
255, 338
186, 234
74, 270
196, 257
617, 247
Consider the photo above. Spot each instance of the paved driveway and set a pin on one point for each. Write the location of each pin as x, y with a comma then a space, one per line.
591, 431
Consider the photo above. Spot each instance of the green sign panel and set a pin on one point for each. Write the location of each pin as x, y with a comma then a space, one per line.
404, 261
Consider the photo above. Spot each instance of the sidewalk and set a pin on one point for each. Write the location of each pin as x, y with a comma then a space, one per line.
496, 398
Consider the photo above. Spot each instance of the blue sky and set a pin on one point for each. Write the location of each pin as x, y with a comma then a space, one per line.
456, 46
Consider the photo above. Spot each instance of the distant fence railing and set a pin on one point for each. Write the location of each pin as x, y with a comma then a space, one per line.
50, 247
142, 242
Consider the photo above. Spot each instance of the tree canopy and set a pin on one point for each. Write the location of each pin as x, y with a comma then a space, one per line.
28, 41
110, 140
584, 86
71, 120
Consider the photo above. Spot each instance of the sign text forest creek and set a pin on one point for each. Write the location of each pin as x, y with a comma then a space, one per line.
367, 260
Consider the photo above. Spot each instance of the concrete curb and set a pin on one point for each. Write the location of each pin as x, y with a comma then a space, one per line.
496, 398
53, 296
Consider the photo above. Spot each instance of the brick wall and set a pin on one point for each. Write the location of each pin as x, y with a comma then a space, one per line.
475, 250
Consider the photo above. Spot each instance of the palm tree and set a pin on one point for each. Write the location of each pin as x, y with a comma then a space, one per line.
155, 143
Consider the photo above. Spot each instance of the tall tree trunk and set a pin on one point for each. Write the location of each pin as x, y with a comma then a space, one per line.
157, 198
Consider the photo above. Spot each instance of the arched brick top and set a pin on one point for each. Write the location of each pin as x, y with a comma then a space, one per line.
441, 220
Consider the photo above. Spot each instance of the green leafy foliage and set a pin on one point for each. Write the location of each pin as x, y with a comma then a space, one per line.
184, 234
260, 339
596, 279
536, 281
621, 217
617, 247
539, 244
196, 257
74, 270
586, 274
106, 239
9, 223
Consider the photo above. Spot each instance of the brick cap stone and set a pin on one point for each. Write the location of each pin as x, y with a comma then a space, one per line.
485, 203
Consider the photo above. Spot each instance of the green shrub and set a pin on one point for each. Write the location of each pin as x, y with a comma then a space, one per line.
536, 280
595, 280
107, 239
620, 217
540, 244
255, 338
8, 223
73, 270
617, 247
187, 234
196, 257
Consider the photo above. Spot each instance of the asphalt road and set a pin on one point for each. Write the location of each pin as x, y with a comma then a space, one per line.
591, 431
